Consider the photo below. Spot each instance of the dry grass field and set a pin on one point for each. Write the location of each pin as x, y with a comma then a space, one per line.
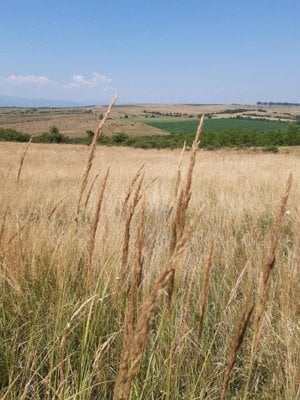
104, 304
76, 121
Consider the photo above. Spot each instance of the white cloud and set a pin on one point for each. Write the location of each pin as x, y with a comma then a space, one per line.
81, 81
29, 79
80, 88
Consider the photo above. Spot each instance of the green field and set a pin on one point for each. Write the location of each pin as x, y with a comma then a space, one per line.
216, 134
217, 125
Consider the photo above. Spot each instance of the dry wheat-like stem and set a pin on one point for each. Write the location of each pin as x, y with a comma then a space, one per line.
2, 228
177, 218
298, 393
264, 279
195, 147
130, 209
237, 340
139, 245
90, 190
95, 222
184, 195
56, 206
234, 290
18, 232
130, 366
178, 181
268, 264
131, 185
91, 156
170, 290
130, 206
66, 333
22, 160
205, 289
146, 187
135, 282
179, 171
136, 273
189, 290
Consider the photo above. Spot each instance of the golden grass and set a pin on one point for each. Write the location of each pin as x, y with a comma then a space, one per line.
82, 315
134, 353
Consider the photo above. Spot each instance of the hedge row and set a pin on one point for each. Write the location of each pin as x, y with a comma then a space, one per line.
229, 138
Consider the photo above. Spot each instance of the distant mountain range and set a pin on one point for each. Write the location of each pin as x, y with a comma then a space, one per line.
11, 101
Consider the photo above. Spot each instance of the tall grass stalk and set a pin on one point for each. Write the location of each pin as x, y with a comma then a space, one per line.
22, 160
135, 351
91, 156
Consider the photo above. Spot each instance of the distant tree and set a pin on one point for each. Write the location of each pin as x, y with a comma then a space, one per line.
120, 137
53, 136
53, 130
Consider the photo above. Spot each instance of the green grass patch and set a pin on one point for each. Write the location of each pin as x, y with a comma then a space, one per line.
216, 125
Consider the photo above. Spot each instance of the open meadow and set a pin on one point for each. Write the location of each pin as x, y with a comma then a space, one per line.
150, 200
137, 292
157, 125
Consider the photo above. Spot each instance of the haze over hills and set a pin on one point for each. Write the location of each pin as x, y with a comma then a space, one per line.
13, 101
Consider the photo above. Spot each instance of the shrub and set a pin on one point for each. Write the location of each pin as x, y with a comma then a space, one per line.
119, 137
53, 136
10, 135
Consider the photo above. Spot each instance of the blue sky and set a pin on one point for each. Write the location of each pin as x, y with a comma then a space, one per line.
233, 51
